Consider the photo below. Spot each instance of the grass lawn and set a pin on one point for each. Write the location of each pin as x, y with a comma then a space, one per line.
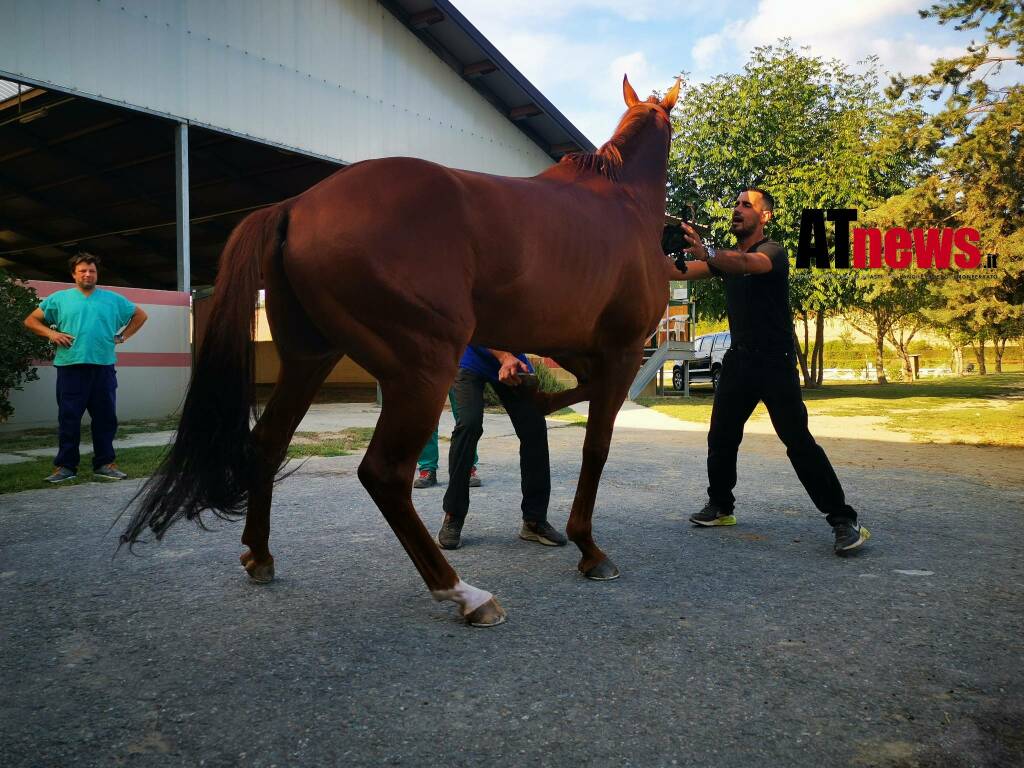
981, 410
570, 417
141, 462
27, 439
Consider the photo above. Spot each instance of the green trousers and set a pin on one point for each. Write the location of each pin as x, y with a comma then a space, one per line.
428, 459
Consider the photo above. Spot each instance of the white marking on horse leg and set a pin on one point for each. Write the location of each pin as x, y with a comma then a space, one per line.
468, 597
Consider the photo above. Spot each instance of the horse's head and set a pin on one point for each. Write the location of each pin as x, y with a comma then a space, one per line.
661, 107
641, 139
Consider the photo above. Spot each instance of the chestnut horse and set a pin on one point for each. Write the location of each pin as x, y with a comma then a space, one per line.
400, 263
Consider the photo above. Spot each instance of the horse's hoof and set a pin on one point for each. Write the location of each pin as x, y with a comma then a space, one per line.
603, 571
260, 572
490, 614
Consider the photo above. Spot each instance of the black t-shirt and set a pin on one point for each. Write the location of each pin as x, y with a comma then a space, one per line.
758, 305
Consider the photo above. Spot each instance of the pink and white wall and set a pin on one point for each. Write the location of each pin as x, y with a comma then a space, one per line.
153, 367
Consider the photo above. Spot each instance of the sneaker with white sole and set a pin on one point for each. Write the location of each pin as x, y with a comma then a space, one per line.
60, 475
712, 514
109, 472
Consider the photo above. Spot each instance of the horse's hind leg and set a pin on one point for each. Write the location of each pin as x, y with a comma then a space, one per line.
408, 416
297, 383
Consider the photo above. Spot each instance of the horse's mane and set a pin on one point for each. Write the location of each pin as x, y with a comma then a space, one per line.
606, 160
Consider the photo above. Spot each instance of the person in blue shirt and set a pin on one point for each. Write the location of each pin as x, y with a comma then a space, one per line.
85, 323
480, 366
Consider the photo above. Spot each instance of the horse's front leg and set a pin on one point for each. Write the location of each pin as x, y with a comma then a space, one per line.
607, 391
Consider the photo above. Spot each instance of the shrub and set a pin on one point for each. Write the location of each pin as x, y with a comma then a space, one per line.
19, 348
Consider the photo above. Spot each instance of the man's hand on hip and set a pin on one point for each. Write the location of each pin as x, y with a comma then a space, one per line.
62, 339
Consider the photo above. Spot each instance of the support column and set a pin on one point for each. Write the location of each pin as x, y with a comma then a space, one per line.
181, 206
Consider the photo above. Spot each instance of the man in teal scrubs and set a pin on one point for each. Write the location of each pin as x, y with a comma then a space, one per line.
426, 476
85, 322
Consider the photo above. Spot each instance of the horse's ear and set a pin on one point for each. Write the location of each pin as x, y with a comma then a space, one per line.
670, 98
628, 93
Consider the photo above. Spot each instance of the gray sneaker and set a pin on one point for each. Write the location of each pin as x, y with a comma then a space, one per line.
425, 478
60, 474
109, 472
474, 479
450, 535
542, 533
849, 536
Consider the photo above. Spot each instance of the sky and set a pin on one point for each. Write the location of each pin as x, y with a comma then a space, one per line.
576, 51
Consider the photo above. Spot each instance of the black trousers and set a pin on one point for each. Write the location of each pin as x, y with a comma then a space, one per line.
531, 428
82, 388
752, 377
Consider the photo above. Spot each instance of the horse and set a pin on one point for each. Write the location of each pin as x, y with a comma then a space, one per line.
399, 263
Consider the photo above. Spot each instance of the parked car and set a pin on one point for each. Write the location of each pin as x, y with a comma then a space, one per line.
707, 366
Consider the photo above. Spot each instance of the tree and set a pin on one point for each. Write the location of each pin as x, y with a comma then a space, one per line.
19, 348
817, 136
979, 181
892, 305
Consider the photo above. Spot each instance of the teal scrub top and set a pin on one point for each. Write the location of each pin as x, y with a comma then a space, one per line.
93, 320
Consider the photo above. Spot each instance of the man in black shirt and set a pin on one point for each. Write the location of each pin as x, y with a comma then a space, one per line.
760, 366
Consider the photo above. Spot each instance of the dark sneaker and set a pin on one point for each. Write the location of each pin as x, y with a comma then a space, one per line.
474, 479
849, 536
450, 535
427, 478
712, 514
109, 472
60, 474
542, 533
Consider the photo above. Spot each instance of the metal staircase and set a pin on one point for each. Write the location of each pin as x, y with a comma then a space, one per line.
670, 350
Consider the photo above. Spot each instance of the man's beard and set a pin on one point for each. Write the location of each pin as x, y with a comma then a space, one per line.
741, 230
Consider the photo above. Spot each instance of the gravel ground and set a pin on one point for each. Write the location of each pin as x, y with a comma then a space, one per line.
747, 646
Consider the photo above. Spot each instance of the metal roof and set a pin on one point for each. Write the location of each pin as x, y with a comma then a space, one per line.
9, 90
448, 33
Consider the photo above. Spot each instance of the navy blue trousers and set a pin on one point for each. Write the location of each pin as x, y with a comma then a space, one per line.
82, 388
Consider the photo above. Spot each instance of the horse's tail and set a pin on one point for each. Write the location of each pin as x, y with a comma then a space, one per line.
211, 463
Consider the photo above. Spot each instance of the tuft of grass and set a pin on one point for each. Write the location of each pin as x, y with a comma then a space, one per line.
342, 443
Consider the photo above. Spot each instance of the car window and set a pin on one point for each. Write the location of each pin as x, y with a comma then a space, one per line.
702, 343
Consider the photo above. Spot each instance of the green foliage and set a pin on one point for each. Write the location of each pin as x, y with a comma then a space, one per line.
546, 380
18, 348
979, 180
965, 78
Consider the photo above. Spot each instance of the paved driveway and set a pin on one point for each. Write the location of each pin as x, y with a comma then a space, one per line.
749, 646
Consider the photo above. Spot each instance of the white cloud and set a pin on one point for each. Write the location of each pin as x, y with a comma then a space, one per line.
706, 49
845, 31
